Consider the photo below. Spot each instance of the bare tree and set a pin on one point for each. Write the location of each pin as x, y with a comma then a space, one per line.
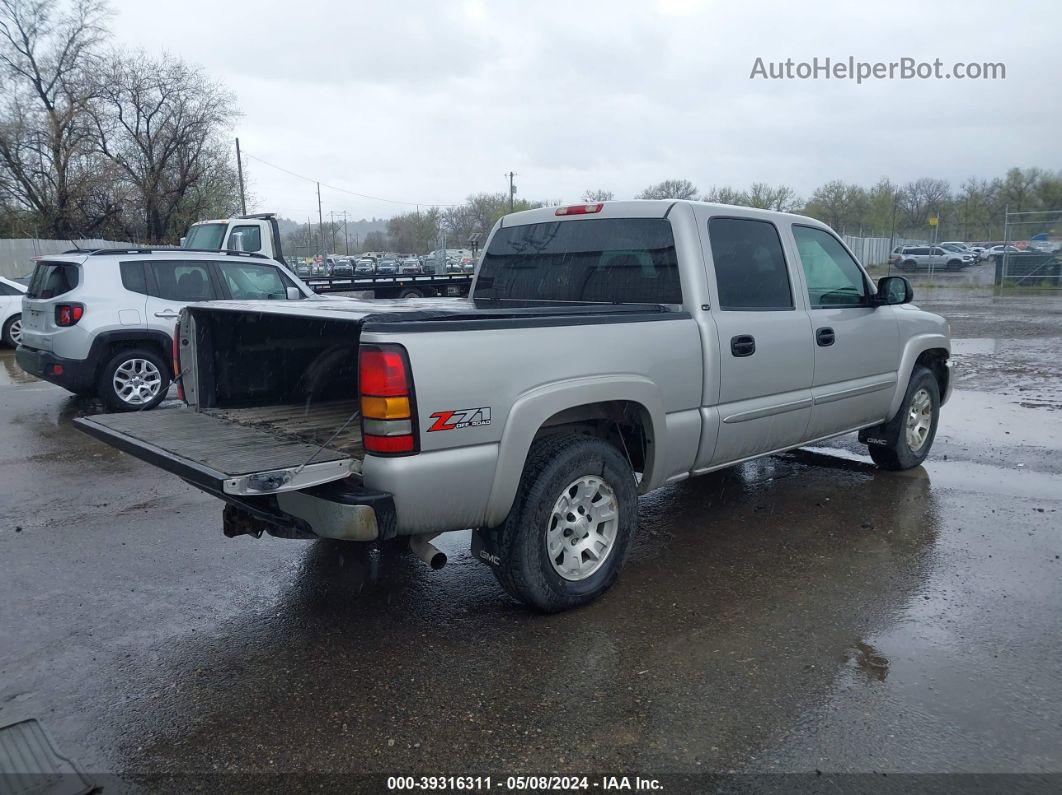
597, 196
768, 197
670, 189
160, 121
46, 54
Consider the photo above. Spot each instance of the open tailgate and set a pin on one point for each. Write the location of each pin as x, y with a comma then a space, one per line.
218, 454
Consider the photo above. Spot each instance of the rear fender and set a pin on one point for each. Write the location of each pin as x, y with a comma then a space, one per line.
531, 410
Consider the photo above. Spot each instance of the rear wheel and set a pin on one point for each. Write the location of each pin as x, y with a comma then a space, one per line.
135, 379
904, 441
411, 292
12, 332
571, 525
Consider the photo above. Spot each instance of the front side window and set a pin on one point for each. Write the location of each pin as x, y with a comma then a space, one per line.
833, 276
250, 282
606, 260
183, 281
750, 267
250, 238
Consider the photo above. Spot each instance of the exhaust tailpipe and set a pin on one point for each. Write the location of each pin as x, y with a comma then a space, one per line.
427, 551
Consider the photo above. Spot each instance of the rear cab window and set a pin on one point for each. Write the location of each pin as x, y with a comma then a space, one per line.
51, 279
601, 261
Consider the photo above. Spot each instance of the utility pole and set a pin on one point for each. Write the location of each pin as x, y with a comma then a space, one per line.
512, 189
320, 223
239, 171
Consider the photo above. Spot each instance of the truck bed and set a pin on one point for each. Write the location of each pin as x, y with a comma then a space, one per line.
334, 423
247, 454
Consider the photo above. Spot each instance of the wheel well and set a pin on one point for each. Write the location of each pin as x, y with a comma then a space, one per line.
622, 423
936, 361
155, 345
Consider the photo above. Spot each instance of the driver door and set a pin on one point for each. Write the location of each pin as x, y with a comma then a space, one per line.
857, 343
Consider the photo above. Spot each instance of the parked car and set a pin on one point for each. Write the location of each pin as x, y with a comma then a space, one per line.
11, 293
101, 323
914, 257
996, 252
698, 363
410, 265
388, 266
366, 266
960, 248
302, 268
343, 267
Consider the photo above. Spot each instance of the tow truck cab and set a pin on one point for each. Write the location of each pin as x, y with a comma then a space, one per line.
257, 234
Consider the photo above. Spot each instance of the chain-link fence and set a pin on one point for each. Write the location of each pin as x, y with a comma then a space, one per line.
1030, 255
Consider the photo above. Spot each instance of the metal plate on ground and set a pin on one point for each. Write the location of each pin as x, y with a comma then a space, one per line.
30, 764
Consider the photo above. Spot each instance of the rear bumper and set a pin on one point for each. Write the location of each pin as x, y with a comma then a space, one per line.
76, 375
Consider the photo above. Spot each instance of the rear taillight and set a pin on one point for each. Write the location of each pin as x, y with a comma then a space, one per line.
387, 408
177, 360
68, 314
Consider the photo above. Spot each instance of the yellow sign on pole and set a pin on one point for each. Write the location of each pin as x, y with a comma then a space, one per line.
933, 220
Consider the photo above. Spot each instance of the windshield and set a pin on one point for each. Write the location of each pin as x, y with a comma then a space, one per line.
207, 236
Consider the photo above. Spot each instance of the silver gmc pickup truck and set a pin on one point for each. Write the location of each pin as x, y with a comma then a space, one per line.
605, 350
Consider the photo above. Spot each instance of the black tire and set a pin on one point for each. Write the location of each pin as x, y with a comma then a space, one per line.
954, 264
526, 571
908, 265
411, 292
105, 382
888, 443
8, 333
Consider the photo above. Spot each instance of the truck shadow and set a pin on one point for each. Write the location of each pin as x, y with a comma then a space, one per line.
745, 594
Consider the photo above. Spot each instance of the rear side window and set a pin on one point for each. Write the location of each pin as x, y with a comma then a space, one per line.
749, 265
51, 279
133, 278
608, 260
182, 281
8, 290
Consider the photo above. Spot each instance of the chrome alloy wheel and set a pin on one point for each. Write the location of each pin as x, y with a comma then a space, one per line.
137, 381
582, 528
15, 330
919, 420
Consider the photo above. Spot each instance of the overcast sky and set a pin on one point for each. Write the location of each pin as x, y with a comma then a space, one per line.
429, 102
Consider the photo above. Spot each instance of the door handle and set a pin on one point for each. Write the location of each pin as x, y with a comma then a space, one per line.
168, 315
824, 337
743, 345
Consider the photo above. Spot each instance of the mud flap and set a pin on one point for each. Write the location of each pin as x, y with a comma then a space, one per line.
485, 547
874, 436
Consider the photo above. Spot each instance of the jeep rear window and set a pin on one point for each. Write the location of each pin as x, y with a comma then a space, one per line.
606, 260
51, 279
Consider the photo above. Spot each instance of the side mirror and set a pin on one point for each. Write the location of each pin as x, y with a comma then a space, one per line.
894, 290
294, 294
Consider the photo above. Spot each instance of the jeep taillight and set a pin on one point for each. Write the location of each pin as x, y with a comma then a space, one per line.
388, 424
177, 360
68, 314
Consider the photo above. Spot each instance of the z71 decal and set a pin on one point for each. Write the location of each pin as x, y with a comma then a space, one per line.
460, 418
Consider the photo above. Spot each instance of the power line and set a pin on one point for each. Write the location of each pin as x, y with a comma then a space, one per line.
342, 190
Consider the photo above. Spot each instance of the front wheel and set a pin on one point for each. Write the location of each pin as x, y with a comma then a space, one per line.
904, 441
571, 524
135, 379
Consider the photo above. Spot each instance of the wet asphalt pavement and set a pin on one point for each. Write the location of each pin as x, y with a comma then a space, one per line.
804, 612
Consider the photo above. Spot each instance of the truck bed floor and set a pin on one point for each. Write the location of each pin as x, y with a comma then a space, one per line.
315, 422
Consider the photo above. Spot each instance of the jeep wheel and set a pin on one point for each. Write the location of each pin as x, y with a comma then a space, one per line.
571, 525
12, 332
904, 441
135, 379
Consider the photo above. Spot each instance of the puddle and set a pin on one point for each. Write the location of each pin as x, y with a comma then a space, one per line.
978, 346
10, 372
